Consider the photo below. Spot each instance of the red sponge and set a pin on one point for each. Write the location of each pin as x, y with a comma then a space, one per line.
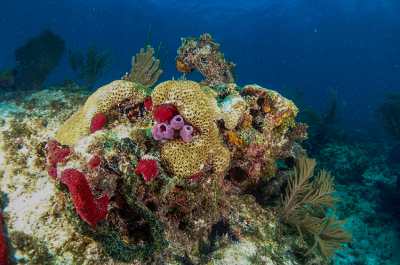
3, 246
148, 104
94, 161
149, 169
164, 113
55, 154
98, 122
91, 210
52, 171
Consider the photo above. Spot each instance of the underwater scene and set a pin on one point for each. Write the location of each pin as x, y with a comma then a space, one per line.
200, 132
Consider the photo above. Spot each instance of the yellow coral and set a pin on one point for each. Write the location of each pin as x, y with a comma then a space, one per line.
232, 108
233, 138
187, 159
78, 125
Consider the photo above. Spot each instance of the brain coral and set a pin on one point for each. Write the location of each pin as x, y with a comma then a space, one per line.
186, 159
78, 125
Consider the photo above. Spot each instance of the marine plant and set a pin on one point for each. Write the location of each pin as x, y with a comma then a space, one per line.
303, 208
146, 69
92, 67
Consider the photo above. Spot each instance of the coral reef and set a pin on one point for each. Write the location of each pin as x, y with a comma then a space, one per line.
3, 245
204, 55
182, 174
186, 159
333, 112
170, 203
37, 58
8, 78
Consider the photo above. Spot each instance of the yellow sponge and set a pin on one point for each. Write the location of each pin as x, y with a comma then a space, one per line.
78, 125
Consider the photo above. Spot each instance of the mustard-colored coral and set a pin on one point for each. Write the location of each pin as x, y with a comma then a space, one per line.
280, 112
234, 138
78, 125
188, 159
232, 107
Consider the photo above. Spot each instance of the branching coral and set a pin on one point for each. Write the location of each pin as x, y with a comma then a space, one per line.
333, 112
145, 68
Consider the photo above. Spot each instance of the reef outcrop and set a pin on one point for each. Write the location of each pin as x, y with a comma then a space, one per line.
143, 175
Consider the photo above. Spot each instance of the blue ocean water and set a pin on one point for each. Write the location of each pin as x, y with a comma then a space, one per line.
352, 46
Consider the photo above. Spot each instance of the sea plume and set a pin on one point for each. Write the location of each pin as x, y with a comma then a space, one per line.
303, 205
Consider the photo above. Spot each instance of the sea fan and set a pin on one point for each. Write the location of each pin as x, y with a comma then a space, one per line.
303, 198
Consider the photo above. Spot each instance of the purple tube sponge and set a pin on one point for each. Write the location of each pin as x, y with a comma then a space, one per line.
177, 122
163, 131
154, 132
186, 133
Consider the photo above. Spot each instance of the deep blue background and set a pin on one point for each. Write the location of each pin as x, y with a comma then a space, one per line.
353, 46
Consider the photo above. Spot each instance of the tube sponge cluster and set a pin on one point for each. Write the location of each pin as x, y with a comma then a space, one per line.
187, 159
171, 131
